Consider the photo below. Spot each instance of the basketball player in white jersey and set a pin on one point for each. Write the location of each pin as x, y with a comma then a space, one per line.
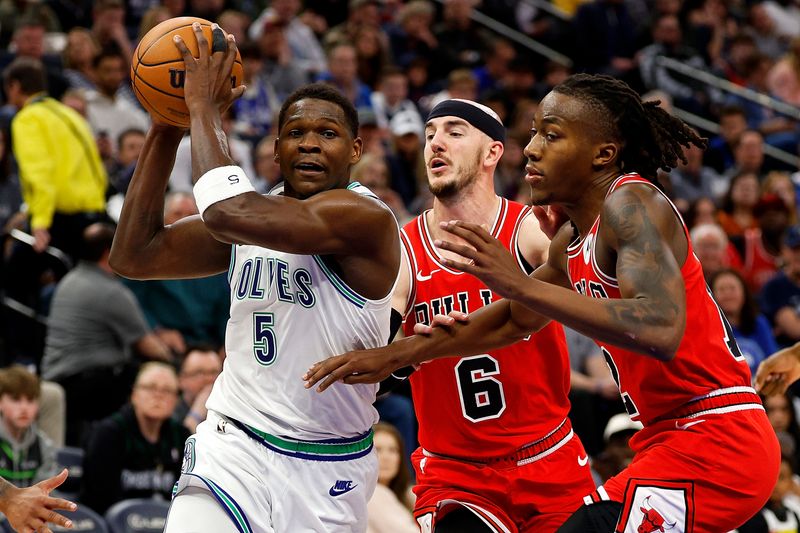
311, 268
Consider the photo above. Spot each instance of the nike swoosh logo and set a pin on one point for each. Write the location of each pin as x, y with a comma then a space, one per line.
687, 425
338, 492
420, 277
583, 461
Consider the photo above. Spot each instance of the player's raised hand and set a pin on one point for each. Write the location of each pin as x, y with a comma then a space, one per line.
29, 510
487, 259
361, 366
778, 371
208, 77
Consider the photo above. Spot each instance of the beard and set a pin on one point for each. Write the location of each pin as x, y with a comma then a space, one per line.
465, 176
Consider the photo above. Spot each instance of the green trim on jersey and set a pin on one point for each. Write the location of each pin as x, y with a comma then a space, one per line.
349, 294
233, 509
316, 448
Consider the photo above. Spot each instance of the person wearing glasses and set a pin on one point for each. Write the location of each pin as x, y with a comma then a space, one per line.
199, 368
137, 451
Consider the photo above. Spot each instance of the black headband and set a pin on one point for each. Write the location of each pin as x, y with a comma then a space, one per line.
472, 114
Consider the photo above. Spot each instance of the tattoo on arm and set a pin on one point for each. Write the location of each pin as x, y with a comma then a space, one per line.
643, 264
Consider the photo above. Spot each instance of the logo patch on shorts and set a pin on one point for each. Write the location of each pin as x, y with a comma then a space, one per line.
657, 507
188, 456
341, 486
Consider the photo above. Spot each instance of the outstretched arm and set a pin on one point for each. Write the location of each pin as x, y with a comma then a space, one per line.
637, 225
30, 510
778, 371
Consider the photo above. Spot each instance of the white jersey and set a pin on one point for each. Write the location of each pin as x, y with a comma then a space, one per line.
288, 312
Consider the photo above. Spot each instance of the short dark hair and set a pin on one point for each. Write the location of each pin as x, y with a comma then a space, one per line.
28, 72
97, 239
731, 110
322, 91
110, 51
129, 131
17, 382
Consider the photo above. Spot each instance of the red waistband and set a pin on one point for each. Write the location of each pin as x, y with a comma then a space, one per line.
527, 453
721, 399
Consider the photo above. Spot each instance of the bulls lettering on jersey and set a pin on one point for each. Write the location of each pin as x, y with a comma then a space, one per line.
485, 405
708, 358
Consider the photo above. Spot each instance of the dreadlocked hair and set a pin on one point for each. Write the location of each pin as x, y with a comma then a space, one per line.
650, 138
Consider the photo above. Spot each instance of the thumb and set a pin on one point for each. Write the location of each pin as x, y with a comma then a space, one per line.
238, 92
54, 482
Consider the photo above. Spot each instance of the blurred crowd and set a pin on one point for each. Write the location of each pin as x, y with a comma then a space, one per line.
123, 368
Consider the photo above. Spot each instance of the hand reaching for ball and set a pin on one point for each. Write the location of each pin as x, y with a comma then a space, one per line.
208, 77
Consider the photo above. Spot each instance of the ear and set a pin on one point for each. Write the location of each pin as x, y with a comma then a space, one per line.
494, 153
358, 147
605, 154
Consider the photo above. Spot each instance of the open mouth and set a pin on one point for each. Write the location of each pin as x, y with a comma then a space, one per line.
309, 166
437, 164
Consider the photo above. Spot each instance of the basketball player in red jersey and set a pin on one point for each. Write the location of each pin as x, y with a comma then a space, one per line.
497, 449
624, 273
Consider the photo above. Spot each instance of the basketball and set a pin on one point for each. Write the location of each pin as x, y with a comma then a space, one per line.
157, 71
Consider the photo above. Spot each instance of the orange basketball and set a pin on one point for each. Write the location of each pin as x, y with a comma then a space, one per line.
157, 72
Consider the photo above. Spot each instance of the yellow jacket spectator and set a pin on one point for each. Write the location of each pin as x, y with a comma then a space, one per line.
62, 176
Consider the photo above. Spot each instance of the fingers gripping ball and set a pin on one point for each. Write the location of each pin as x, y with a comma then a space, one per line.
157, 71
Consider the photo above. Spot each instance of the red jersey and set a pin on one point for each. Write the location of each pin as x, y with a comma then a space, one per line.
488, 405
708, 358
759, 264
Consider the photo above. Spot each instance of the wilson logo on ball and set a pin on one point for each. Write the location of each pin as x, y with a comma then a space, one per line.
177, 78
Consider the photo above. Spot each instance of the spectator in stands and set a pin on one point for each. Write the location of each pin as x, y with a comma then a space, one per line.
748, 156
108, 26
391, 97
760, 247
268, 172
713, 249
780, 297
78, 57
407, 160
617, 454
388, 509
235, 23
779, 514
605, 41
372, 172
785, 14
511, 166
719, 154
28, 41
279, 66
306, 50
461, 83
76, 99
691, 180
462, 42
783, 79
411, 37
206, 9
199, 369
762, 29
686, 93
151, 18
751, 329
783, 418
27, 456
781, 184
343, 74
359, 13
184, 311
129, 145
137, 451
62, 177
736, 213
372, 57
493, 71
258, 107
95, 323
701, 211
10, 193
109, 107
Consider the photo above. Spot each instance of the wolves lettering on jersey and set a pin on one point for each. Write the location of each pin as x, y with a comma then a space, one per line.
707, 358
287, 312
486, 405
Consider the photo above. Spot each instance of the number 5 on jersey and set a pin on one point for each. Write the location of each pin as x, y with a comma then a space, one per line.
265, 345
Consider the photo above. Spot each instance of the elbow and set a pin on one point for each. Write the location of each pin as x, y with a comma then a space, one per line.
666, 348
120, 265
219, 219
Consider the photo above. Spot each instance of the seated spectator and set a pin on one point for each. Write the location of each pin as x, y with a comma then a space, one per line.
257, 110
28, 456
200, 367
713, 249
137, 451
736, 213
751, 329
748, 156
780, 297
343, 74
701, 211
184, 311
779, 515
692, 180
391, 97
411, 37
388, 510
719, 154
95, 325
617, 454
372, 172
268, 171
781, 184
129, 145
78, 57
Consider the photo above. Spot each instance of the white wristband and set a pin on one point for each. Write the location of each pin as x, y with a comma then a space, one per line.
219, 184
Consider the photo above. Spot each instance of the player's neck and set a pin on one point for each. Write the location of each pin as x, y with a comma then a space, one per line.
585, 211
477, 205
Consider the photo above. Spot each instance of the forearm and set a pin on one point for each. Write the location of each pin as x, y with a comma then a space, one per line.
142, 216
491, 327
209, 142
637, 324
